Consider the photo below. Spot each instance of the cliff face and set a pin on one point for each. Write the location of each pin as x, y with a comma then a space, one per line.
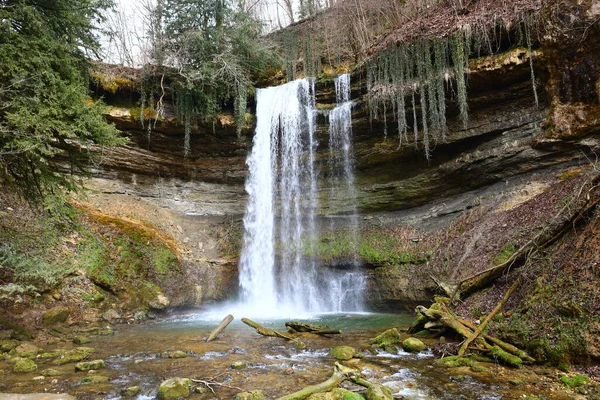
511, 147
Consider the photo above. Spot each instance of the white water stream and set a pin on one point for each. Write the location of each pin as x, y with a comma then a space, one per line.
276, 278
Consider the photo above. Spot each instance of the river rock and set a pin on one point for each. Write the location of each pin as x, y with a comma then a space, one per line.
378, 392
130, 391
8, 344
89, 365
177, 354
81, 340
413, 345
387, 338
110, 315
56, 315
174, 388
25, 349
36, 396
52, 372
253, 395
74, 355
24, 365
160, 302
238, 365
95, 379
343, 352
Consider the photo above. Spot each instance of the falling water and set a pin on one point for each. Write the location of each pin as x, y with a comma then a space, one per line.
282, 201
276, 277
346, 290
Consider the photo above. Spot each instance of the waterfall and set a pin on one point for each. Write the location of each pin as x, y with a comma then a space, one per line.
346, 290
276, 277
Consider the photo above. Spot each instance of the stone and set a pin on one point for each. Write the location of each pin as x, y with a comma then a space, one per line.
140, 315
81, 340
253, 395
160, 302
56, 315
378, 392
95, 379
36, 396
110, 315
8, 344
130, 391
25, 349
89, 365
177, 354
413, 345
238, 365
24, 365
52, 372
336, 394
74, 355
174, 388
38, 378
343, 352
387, 338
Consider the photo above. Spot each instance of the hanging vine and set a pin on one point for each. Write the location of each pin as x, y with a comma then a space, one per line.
432, 70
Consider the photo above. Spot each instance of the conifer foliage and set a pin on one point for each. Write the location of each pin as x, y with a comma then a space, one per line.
45, 107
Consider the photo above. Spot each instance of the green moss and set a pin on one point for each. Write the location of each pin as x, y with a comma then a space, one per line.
574, 381
343, 352
507, 251
164, 259
24, 365
387, 338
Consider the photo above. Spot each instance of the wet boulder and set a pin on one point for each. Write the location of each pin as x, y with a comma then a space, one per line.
174, 388
89, 365
343, 352
56, 315
413, 345
388, 338
253, 395
26, 350
378, 392
24, 365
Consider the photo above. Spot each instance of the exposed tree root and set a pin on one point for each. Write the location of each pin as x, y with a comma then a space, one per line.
294, 327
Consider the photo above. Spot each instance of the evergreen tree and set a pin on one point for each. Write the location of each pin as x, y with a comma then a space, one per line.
47, 118
217, 49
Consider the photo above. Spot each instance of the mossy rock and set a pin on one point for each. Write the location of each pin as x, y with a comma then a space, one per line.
89, 365
8, 344
130, 391
174, 388
387, 338
343, 352
253, 395
238, 365
413, 345
74, 355
177, 354
95, 379
81, 340
52, 372
378, 392
335, 394
352, 396
454, 362
56, 315
26, 350
24, 365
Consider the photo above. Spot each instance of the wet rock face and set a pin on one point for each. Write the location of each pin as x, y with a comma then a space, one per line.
508, 138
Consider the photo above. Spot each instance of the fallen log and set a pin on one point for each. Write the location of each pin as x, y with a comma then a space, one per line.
450, 321
488, 318
271, 332
582, 204
296, 326
341, 374
226, 321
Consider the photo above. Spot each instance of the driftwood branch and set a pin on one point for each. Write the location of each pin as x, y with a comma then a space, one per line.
226, 321
270, 332
488, 318
210, 382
